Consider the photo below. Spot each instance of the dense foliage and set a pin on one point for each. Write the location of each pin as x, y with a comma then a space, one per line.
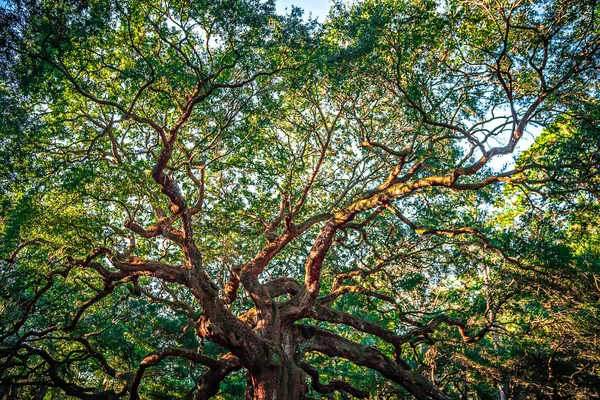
204, 198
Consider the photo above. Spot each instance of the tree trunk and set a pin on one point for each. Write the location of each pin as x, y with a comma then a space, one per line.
281, 378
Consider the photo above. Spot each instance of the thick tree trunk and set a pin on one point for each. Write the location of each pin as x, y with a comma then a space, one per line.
281, 378
281, 383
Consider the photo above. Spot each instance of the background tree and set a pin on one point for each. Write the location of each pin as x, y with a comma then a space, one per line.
206, 195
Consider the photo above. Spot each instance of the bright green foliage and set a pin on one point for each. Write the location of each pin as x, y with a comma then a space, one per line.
373, 142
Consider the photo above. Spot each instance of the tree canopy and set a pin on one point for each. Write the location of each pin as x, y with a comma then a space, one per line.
203, 198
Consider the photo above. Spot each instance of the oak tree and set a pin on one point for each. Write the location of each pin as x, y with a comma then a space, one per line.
204, 198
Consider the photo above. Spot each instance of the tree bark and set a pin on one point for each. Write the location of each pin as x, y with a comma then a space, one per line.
281, 378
